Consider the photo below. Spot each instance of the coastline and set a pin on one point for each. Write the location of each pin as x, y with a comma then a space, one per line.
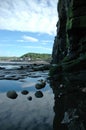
23, 62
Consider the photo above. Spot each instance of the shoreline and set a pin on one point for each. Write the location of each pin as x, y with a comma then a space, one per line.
23, 62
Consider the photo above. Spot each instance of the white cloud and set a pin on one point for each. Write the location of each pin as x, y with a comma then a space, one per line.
30, 39
29, 15
38, 47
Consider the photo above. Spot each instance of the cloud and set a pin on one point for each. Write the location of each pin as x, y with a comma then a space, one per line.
29, 15
38, 48
30, 39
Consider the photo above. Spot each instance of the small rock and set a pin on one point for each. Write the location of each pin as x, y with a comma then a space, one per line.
1, 68
40, 85
29, 98
22, 80
24, 92
39, 94
12, 94
40, 80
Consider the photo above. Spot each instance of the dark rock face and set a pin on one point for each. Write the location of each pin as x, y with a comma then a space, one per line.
70, 41
68, 66
70, 105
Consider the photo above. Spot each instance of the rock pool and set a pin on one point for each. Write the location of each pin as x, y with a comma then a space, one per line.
26, 112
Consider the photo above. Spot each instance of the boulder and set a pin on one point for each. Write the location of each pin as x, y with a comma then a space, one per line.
12, 94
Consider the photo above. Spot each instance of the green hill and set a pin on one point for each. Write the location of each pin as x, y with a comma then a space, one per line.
37, 56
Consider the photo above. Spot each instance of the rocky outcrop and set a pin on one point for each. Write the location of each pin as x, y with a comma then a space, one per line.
69, 49
68, 66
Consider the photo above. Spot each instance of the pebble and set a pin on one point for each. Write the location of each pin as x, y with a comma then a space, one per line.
29, 98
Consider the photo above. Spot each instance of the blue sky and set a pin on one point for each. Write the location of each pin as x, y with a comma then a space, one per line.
27, 26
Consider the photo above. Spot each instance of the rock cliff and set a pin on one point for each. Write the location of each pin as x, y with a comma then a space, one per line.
69, 49
68, 66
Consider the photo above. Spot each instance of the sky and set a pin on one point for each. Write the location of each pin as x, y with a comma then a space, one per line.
27, 26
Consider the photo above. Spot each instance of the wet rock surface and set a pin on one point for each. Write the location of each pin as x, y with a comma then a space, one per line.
41, 84
29, 98
24, 92
12, 94
21, 72
39, 94
2, 68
